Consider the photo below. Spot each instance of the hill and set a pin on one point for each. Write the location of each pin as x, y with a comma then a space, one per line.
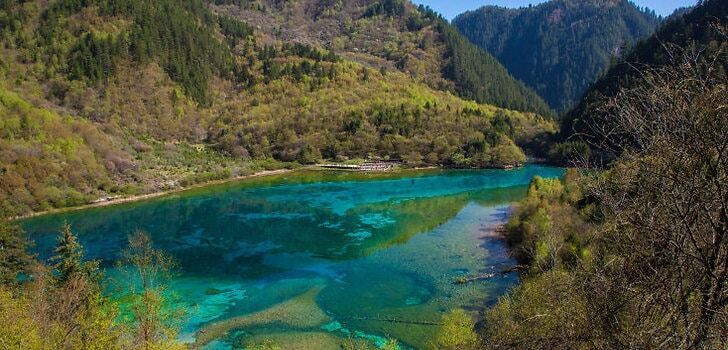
560, 47
633, 245
106, 98
696, 30
390, 35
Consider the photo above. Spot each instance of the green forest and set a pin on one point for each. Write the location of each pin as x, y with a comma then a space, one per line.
696, 30
106, 99
558, 48
636, 248
634, 243
394, 34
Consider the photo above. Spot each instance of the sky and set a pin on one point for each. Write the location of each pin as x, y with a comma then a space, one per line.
451, 8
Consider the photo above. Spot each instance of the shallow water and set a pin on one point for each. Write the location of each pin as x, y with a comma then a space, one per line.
315, 258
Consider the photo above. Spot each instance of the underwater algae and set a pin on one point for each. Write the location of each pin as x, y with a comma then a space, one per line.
300, 312
317, 258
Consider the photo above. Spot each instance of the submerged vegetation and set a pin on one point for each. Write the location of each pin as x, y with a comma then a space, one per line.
102, 98
249, 298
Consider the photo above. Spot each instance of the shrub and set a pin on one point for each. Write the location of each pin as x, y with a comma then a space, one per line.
457, 332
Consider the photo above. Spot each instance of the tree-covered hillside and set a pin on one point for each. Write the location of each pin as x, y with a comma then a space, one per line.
633, 253
560, 47
104, 98
391, 35
698, 30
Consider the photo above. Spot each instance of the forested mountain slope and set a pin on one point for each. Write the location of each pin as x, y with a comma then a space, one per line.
633, 253
390, 35
696, 31
104, 98
560, 47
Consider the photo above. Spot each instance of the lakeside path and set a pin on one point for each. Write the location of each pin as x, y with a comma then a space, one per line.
143, 197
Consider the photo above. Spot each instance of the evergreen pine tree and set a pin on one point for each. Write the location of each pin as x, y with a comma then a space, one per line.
67, 261
14, 258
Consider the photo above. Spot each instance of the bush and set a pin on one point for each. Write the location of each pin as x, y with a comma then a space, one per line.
528, 319
206, 177
547, 230
456, 332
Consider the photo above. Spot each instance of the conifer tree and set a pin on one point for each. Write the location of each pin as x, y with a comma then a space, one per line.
14, 258
67, 261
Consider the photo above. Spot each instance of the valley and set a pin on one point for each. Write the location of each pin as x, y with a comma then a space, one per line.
364, 174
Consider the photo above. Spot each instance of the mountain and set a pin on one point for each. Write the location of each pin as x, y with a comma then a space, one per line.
390, 35
104, 98
697, 30
560, 47
642, 224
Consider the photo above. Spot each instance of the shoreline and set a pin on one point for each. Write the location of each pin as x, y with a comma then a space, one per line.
142, 197
264, 173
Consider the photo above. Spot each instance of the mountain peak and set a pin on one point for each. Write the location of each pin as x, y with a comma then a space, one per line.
568, 42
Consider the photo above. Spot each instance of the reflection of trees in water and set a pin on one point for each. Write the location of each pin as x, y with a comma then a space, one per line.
230, 229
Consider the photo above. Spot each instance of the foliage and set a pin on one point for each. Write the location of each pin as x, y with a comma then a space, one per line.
546, 230
560, 47
479, 76
63, 307
386, 7
153, 322
205, 177
697, 29
569, 152
665, 199
398, 121
456, 332
47, 160
94, 57
182, 39
390, 34
168, 32
18, 329
57, 310
234, 30
68, 255
178, 36
101, 99
14, 258
642, 249
545, 311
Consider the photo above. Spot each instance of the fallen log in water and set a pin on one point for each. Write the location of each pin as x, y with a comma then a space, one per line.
486, 276
464, 280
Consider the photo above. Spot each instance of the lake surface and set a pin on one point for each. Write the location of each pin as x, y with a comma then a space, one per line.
311, 259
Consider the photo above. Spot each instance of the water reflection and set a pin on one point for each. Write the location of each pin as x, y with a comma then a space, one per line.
368, 244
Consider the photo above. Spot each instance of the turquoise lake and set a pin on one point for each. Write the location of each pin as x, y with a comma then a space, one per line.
311, 259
